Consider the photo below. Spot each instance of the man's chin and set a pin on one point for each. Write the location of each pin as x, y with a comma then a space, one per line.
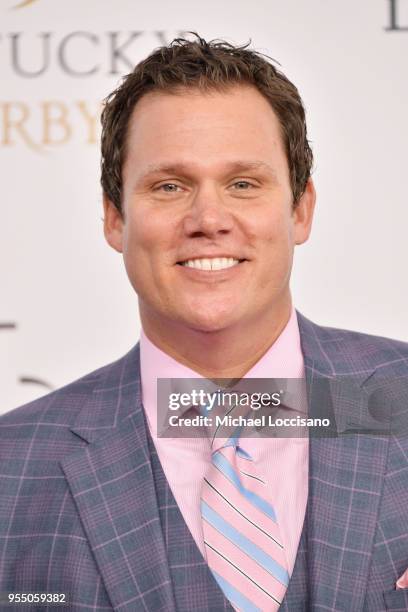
210, 322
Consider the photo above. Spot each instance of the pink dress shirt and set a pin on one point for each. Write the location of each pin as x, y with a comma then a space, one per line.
282, 461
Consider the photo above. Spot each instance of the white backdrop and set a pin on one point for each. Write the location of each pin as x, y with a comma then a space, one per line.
66, 305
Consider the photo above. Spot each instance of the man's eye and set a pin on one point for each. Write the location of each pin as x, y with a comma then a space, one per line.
169, 187
243, 185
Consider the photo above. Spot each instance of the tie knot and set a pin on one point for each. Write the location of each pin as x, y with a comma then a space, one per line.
219, 444
225, 425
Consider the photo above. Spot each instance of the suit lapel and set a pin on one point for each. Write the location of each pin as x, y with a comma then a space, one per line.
113, 487
345, 476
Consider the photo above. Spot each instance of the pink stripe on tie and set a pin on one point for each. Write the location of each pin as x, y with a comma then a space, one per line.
229, 491
246, 525
224, 548
254, 592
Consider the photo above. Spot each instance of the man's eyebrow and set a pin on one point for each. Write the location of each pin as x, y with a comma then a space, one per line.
183, 168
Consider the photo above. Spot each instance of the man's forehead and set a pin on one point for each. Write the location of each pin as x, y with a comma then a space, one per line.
236, 101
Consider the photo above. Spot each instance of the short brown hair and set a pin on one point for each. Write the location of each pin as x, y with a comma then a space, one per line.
203, 65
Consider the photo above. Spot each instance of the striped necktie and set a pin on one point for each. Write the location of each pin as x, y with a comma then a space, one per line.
242, 538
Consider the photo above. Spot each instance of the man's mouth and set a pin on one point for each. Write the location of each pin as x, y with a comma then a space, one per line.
211, 263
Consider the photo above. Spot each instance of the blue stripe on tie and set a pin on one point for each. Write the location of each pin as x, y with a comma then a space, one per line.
248, 547
226, 468
235, 597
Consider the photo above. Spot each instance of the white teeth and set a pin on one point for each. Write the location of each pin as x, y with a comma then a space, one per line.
216, 263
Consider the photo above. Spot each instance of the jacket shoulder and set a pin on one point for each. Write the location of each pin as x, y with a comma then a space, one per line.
350, 351
38, 434
368, 341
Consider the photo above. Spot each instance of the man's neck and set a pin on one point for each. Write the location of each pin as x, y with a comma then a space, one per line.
228, 353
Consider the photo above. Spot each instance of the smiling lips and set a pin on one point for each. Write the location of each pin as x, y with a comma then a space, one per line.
211, 263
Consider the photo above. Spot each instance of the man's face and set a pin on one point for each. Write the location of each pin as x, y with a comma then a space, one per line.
208, 227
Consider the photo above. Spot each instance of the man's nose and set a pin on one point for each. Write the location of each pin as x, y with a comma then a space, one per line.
208, 214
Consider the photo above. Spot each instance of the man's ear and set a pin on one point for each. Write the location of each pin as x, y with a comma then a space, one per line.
303, 214
113, 225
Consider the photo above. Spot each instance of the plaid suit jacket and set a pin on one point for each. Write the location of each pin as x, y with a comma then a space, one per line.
78, 509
